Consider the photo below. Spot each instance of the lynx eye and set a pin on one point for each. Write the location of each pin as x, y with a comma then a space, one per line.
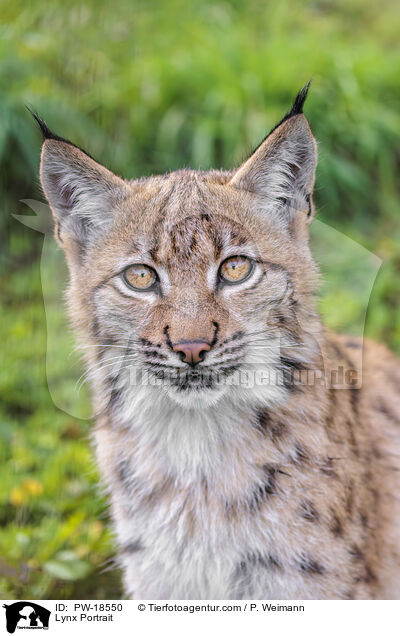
235, 269
140, 277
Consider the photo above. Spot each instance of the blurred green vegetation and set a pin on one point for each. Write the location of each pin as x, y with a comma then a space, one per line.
147, 87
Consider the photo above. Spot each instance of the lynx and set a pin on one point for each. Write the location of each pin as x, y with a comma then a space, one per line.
236, 465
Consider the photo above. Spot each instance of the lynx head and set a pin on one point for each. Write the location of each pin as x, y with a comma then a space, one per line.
190, 278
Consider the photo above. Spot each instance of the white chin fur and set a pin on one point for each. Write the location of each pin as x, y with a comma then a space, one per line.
195, 399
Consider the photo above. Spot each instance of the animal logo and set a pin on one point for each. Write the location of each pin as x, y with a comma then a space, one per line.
26, 615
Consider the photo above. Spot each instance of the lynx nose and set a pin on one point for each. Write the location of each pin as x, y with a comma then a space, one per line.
192, 351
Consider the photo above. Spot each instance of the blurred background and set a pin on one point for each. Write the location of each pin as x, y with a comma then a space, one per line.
148, 87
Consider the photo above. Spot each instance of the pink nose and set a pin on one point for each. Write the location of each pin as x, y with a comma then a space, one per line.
192, 351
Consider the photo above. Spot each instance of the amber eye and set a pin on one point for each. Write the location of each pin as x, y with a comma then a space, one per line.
140, 277
235, 269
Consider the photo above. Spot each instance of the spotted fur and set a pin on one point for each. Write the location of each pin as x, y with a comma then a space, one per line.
220, 488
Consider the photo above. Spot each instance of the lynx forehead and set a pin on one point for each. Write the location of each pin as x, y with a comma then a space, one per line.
184, 290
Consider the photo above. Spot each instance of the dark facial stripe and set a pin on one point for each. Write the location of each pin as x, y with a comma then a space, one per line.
154, 354
274, 429
308, 511
309, 566
288, 367
236, 336
254, 559
266, 489
215, 336
167, 337
158, 227
356, 554
230, 350
301, 455
336, 526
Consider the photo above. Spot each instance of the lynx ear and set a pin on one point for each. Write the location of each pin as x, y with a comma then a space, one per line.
80, 191
281, 171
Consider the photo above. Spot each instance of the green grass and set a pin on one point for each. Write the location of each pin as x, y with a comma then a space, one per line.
149, 87
53, 522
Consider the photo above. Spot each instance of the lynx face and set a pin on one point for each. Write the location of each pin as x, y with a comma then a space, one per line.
199, 280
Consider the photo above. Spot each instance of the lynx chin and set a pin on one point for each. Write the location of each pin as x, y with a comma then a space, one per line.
182, 287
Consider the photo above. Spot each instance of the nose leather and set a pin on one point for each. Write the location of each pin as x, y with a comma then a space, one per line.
192, 351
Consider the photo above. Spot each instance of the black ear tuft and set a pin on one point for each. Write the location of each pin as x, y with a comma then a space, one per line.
49, 134
46, 132
296, 109
298, 103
